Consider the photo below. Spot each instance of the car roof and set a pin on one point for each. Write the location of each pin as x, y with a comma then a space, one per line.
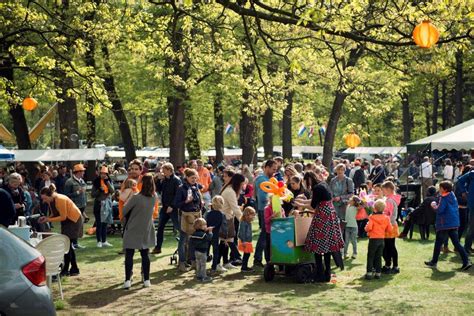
14, 251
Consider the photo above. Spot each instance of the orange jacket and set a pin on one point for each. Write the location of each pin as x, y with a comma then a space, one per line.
137, 189
204, 179
378, 225
66, 208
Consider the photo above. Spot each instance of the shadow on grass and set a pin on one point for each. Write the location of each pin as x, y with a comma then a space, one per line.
350, 264
437, 275
102, 297
366, 286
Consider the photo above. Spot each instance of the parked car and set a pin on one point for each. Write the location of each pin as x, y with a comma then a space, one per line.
23, 289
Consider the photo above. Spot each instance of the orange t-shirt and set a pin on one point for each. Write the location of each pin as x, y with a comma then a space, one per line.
204, 179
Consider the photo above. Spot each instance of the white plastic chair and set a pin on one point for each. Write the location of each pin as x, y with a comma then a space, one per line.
53, 250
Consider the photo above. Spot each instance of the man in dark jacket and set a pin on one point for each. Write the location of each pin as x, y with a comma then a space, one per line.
7, 208
167, 184
377, 175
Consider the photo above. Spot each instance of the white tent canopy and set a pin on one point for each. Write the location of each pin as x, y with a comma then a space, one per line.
459, 137
5, 154
60, 154
376, 150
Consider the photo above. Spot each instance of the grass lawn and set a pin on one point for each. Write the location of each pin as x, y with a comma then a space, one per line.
416, 290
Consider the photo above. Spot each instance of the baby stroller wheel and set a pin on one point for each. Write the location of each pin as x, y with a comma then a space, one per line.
173, 259
269, 272
304, 274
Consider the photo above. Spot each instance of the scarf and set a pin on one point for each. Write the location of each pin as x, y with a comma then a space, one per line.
104, 186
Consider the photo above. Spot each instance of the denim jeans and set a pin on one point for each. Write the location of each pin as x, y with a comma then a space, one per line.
201, 259
351, 238
163, 219
261, 238
470, 231
100, 228
441, 237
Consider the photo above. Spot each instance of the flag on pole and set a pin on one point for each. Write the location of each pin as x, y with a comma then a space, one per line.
228, 128
322, 129
311, 132
301, 130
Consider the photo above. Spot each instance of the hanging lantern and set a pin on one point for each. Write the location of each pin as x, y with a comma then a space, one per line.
425, 34
30, 104
352, 140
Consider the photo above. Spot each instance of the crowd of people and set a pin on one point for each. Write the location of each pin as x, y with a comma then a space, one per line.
214, 207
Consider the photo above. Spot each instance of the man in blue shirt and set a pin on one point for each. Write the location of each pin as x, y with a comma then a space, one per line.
466, 184
269, 169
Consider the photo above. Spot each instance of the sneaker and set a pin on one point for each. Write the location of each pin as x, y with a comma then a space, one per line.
106, 244
74, 246
229, 266
79, 246
258, 264
466, 266
146, 283
236, 262
354, 256
209, 258
346, 256
73, 272
220, 268
402, 236
386, 270
127, 284
206, 279
395, 270
99, 244
430, 264
156, 251
182, 267
378, 275
369, 276
247, 269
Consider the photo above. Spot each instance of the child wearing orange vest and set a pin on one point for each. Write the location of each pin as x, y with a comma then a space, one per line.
378, 225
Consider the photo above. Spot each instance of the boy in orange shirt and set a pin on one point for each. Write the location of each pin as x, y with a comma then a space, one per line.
376, 228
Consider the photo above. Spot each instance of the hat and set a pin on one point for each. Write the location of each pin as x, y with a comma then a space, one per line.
104, 169
78, 168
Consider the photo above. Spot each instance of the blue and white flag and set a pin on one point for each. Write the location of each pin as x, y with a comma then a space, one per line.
229, 128
311, 132
301, 130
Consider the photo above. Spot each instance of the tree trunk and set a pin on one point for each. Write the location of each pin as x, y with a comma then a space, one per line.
219, 128
247, 124
20, 127
406, 118
427, 117
268, 133
67, 111
176, 131
336, 110
286, 126
459, 88
444, 109
117, 108
191, 137
89, 59
435, 107
143, 128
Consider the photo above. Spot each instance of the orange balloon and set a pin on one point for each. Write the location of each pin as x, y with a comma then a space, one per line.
272, 187
29, 104
425, 34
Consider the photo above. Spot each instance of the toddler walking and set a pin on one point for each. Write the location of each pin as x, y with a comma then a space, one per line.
199, 241
377, 227
216, 219
245, 237
351, 230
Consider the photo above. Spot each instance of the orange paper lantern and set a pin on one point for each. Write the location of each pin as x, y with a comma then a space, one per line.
29, 104
425, 34
352, 140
